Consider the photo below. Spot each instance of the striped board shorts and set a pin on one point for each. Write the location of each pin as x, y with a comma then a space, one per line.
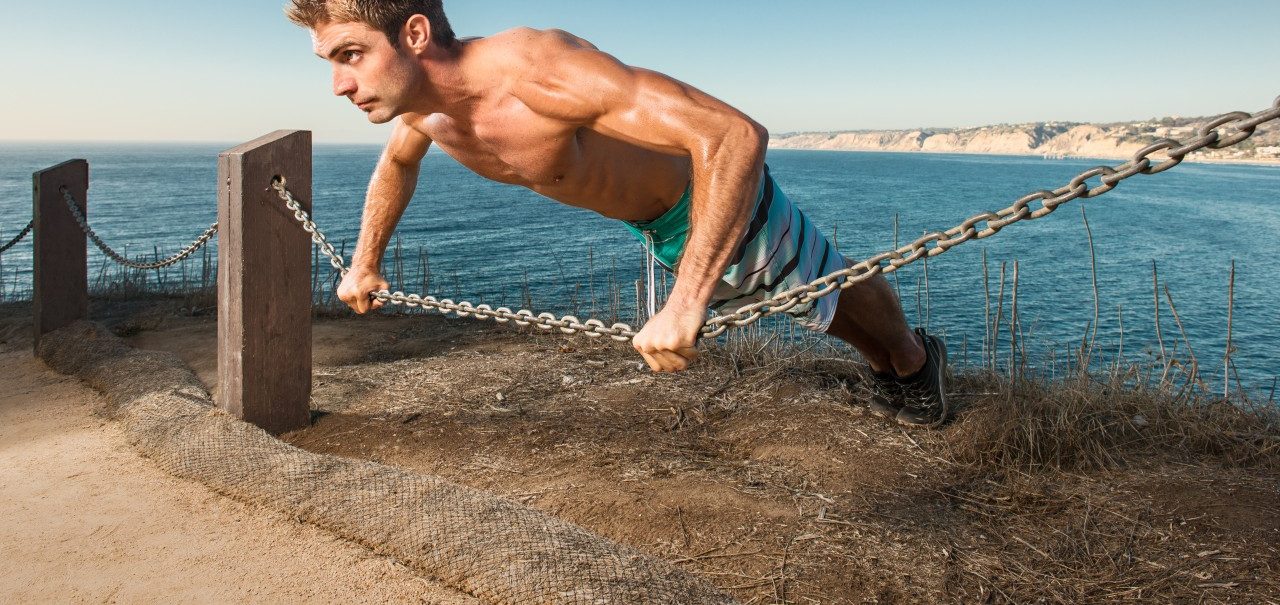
780, 250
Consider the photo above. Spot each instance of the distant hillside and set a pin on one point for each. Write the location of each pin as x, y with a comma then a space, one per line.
1051, 139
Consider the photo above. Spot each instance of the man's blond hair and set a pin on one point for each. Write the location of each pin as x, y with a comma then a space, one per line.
388, 16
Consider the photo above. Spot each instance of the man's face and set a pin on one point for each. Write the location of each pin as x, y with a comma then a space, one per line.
377, 78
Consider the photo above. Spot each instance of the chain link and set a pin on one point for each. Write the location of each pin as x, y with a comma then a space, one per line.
568, 324
121, 259
13, 242
1221, 132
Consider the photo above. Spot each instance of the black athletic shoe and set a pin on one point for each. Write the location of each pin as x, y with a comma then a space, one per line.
886, 395
925, 393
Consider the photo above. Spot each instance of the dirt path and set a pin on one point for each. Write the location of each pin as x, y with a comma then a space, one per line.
85, 519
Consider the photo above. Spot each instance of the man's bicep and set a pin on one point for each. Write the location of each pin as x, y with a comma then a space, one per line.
407, 145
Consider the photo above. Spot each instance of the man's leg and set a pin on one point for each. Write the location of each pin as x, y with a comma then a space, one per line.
782, 250
909, 366
869, 317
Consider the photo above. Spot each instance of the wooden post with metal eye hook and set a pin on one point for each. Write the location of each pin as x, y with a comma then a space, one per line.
264, 284
60, 261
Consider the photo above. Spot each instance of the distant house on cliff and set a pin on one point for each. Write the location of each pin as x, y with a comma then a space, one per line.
1166, 131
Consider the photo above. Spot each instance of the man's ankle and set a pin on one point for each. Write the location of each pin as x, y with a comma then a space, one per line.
912, 360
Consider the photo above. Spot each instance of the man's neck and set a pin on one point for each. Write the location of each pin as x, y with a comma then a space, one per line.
446, 88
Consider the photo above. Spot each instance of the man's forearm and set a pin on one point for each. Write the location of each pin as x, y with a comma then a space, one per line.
725, 186
390, 190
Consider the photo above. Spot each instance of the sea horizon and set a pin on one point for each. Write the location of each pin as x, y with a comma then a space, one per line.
228, 144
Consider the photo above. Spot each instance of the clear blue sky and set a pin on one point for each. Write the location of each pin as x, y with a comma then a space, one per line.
230, 70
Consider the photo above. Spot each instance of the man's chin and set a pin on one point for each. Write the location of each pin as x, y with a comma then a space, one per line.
381, 116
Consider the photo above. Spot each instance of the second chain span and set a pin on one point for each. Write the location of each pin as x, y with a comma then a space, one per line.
22, 234
1221, 132
120, 258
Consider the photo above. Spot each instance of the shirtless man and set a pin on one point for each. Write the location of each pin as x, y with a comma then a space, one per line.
684, 171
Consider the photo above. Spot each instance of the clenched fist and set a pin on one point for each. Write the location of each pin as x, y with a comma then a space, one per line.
356, 287
669, 341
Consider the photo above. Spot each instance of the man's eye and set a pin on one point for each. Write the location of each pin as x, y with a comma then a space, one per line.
351, 55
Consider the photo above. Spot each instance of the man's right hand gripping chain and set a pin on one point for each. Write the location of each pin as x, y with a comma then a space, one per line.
357, 287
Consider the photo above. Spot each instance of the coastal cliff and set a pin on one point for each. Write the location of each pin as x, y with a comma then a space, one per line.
1049, 139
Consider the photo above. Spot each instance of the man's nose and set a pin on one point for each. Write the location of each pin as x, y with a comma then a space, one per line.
343, 86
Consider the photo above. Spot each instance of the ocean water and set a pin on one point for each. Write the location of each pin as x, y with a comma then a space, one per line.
486, 241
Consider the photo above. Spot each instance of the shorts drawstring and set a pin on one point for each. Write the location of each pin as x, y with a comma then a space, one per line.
650, 290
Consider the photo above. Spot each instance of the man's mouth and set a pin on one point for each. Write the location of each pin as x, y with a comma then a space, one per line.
364, 104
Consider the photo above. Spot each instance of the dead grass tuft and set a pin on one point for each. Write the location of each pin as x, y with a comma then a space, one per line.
1081, 424
1056, 538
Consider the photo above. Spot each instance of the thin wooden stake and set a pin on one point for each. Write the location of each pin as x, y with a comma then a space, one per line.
1097, 303
986, 310
897, 287
1120, 349
1226, 356
928, 298
995, 344
1164, 356
1013, 326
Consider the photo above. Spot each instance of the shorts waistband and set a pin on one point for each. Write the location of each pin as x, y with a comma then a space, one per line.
674, 219
668, 232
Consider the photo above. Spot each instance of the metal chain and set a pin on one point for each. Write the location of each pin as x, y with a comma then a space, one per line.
119, 258
1221, 132
568, 324
13, 242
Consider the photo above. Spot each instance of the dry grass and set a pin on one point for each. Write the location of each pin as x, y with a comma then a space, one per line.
1087, 539
1063, 483
1083, 489
1081, 424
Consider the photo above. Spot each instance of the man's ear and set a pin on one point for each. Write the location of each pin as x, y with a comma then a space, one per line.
416, 34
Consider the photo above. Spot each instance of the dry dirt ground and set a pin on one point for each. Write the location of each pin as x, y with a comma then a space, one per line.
769, 478
84, 519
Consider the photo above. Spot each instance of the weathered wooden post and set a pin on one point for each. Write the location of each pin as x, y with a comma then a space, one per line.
60, 265
264, 283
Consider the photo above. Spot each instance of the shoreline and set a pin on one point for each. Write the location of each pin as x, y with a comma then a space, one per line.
1271, 163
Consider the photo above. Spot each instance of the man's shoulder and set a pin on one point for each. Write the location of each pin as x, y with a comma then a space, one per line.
553, 72
532, 35
535, 45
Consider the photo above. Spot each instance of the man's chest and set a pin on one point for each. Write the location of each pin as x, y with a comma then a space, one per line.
511, 144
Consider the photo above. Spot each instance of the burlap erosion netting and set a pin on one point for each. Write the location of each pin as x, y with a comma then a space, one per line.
484, 545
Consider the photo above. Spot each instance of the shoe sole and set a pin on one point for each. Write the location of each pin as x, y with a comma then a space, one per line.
888, 412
